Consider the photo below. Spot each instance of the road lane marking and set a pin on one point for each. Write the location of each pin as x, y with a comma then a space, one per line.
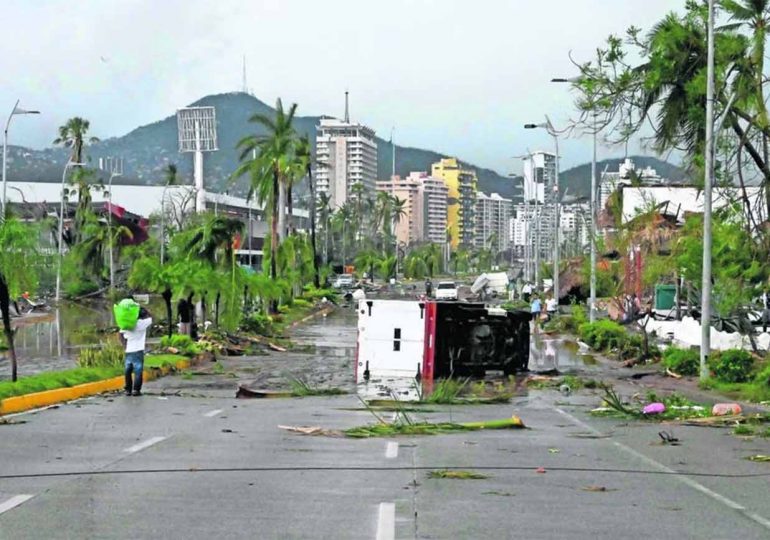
212, 414
386, 522
682, 477
13, 502
144, 444
391, 450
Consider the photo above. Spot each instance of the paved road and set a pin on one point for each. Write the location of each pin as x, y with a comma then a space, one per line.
167, 466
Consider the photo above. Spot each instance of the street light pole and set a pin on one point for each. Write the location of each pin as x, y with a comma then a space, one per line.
705, 318
548, 126
14, 112
69, 164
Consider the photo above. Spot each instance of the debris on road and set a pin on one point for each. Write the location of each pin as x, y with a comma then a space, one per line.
759, 457
654, 408
726, 409
668, 438
457, 475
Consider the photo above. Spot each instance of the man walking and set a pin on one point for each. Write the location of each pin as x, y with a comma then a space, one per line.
134, 340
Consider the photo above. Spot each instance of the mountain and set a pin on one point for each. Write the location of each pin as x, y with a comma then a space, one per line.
148, 149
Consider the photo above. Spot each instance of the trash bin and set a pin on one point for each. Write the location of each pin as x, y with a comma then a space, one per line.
665, 296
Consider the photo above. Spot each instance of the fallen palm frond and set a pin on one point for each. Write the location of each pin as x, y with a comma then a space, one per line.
759, 457
457, 475
428, 428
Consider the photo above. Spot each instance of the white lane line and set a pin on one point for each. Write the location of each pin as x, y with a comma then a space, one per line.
391, 451
679, 476
386, 522
212, 414
144, 444
13, 502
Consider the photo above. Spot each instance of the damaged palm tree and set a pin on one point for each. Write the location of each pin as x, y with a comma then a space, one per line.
18, 274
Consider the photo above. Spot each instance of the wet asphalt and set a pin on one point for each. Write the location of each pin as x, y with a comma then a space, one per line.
188, 460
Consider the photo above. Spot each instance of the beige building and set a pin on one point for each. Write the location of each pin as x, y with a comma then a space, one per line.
409, 228
425, 206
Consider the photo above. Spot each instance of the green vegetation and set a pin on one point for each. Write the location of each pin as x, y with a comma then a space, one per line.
603, 335
109, 354
732, 366
182, 343
58, 379
301, 388
677, 407
682, 361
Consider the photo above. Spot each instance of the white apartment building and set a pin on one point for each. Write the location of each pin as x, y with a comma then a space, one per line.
492, 215
346, 154
627, 171
539, 171
435, 194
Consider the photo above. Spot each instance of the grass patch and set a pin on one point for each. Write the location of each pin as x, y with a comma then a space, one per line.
457, 475
73, 377
743, 429
56, 379
573, 381
301, 388
754, 391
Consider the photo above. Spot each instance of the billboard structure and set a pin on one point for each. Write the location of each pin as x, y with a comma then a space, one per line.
197, 128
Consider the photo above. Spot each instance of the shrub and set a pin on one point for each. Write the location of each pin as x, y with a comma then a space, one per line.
763, 377
257, 323
301, 303
579, 315
682, 361
603, 335
311, 293
109, 355
732, 365
183, 343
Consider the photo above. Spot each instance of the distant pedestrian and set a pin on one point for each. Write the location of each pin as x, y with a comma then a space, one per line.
134, 341
526, 292
551, 307
765, 311
184, 309
428, 287
535, 308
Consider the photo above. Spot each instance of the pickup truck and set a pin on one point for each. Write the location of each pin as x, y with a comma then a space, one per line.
446, 290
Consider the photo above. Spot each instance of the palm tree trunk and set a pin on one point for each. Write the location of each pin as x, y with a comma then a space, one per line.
5, 306
316, 279
216, 309
274, 239
290, 209
167, 300
281, 211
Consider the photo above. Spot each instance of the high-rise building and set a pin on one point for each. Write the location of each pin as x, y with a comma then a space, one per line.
626, 174
409, 228
435, 208
346, 154
461, 203
425, 207
539, 176
493, 214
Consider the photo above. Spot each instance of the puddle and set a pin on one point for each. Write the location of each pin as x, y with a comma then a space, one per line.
546, 353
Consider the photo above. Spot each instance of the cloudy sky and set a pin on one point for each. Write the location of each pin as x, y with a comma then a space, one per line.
456, 76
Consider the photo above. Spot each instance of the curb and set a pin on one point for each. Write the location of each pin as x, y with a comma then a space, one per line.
323, 311
38, 400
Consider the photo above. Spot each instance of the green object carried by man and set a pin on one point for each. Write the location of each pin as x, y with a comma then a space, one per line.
126, 314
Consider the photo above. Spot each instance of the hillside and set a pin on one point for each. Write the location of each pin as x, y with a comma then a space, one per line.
148, 149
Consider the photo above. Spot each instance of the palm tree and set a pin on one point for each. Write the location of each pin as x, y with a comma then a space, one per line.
398, 208
73, 135
433, 258
342, 220
324, 210
170, 179
215, 234
306, 162
368, 259
268, 160
18, 272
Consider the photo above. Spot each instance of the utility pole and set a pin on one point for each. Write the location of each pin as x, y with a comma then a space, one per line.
592, 208
705, 318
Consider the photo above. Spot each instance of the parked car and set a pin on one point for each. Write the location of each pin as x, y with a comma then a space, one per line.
343, 281
446, 290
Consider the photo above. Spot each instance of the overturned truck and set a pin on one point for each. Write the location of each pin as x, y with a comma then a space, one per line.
398, 338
